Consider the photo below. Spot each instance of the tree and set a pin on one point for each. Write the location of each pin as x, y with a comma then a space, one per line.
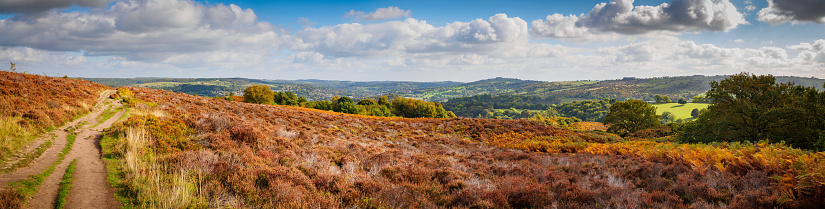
682, 101
666, 99
383, 101
258, 94
413, 108
668, 117
367, 102
700, 99
631, 116
344, 105
746, 107
657, 98
694, 113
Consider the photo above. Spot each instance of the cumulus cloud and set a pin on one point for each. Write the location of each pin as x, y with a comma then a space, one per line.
750, 8
152, 30
379, 14
621, 17
688, 56
39, 6
782, 11
412, 36
28, 56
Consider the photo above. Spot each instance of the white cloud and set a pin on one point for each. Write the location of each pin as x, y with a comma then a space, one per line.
795, 11
750, 8
684, 57
28, 56
412, 36
621, 17
379, 14
152, 30
738, 41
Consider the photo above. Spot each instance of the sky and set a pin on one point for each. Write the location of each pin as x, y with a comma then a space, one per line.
421, 40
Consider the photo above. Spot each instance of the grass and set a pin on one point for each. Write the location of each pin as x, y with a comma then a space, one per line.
14, 136
26, 188
109, 113
65, 185
29, 158
682, 111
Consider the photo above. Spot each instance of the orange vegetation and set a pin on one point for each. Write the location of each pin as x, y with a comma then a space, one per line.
219, 153
30, 104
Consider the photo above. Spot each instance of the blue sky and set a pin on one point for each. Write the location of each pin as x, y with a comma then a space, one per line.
413, 40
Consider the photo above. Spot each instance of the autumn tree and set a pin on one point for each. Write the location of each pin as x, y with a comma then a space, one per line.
258, 94
413, 108
631, 116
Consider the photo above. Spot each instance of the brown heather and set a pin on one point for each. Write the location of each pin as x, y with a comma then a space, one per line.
187, 151
30, 104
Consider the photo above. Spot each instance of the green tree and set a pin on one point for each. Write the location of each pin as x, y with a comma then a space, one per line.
668, 117
694, 113
666, 99
658, 98
631, 116
383, 101
344, 105
682, 101
746, 107
700, 99
258, 94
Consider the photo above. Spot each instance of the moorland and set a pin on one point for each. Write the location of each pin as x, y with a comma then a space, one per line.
577, 144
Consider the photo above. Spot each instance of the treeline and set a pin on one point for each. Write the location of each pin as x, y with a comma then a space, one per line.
382, 107
477, 105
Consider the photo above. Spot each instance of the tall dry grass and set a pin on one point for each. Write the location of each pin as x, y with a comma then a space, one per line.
12, 135
156, 184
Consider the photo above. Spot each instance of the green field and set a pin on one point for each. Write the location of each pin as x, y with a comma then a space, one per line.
682, 111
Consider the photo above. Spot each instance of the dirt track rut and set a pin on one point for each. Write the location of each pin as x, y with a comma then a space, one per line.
89, 187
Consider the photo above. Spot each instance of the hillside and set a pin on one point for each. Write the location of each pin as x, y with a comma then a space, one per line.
310, 89
643, 88
32, 104
560, 91
221, 153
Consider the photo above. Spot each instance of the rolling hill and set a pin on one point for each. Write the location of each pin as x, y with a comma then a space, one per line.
177, 150
564, 91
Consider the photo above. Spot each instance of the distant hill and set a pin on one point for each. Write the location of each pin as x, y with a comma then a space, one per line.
622, 89
561, 91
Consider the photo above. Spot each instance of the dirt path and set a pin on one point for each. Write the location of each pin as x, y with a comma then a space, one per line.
50, 155
89, 188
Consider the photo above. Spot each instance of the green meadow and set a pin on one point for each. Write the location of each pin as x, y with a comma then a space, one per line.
682, 111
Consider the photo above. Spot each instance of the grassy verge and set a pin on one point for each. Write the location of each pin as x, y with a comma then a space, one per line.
29, 158
26, 188
65, 185
114, 168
